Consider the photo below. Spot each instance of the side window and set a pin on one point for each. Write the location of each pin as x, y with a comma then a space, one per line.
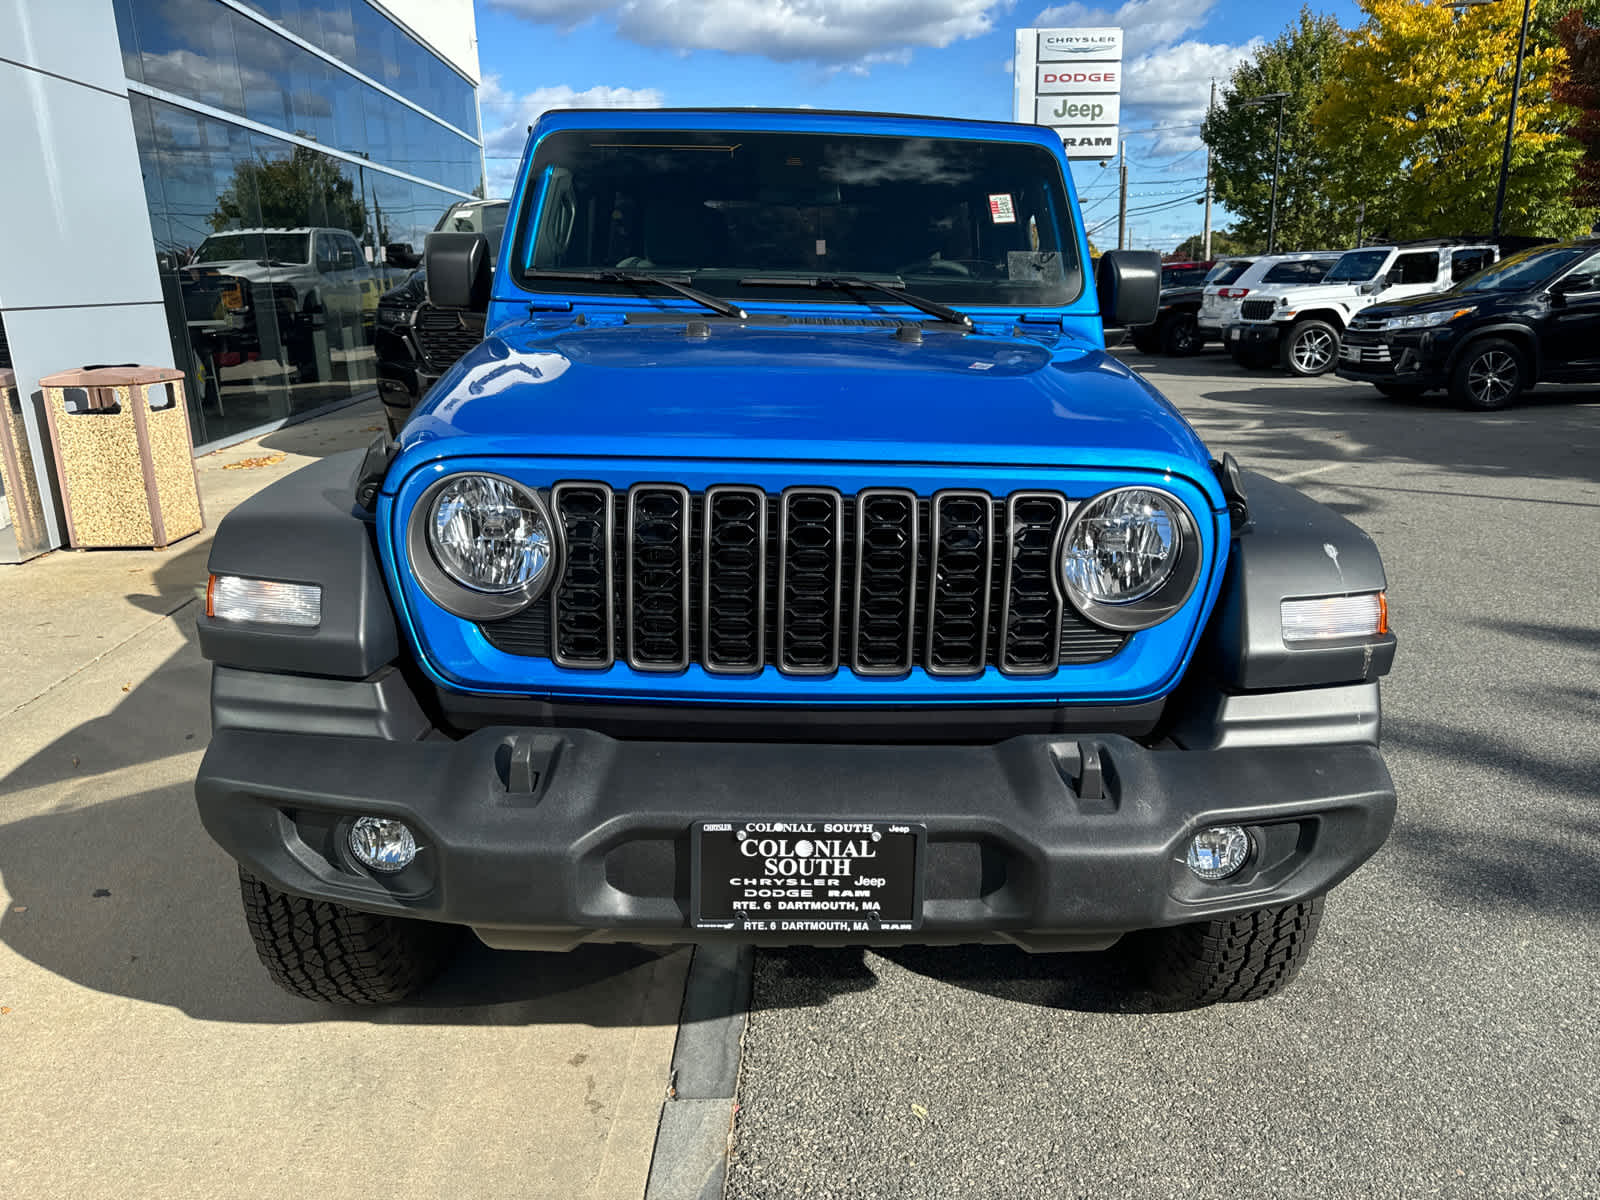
327, 254
1415, 268
1585, 277
1466, 263
349, 253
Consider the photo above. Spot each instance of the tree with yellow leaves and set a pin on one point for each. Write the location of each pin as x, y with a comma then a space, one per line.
1417, 109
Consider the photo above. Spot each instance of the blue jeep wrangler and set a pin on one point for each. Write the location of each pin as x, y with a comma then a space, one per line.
791, 564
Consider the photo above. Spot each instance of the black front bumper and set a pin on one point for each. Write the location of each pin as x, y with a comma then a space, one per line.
544, 838
1408, 359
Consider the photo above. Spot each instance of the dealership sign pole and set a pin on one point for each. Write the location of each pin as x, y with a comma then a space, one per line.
1071, 80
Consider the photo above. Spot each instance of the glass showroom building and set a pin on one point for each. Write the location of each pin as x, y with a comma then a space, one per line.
226, 186
294, 153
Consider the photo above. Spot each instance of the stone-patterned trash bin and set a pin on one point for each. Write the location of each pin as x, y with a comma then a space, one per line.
123, 455
26, 529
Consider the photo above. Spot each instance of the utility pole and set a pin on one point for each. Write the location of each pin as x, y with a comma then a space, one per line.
1206, 256
1277, 162
1122, 195
1511, 122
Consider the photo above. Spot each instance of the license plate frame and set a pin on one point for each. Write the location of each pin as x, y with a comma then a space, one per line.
880, 892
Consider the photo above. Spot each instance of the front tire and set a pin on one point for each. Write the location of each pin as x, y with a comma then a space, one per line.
1229, 959
1180, 336
1312, 348
1491, 375
322, 951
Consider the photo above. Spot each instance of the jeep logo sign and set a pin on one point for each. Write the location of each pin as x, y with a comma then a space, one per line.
1071, 81
1064, 112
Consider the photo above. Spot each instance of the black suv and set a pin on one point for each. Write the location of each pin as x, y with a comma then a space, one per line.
1531, 317
1175, 330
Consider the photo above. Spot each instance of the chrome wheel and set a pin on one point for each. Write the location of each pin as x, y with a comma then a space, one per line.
1492, 379
1313, 350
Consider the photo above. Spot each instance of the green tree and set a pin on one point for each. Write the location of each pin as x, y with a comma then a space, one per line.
307, 188
1298, 61
1418, 104
1223, 245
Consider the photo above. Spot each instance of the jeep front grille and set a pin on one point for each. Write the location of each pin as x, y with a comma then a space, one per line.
1257, 310
806, 581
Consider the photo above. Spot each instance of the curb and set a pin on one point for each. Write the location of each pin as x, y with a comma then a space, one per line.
690, 1160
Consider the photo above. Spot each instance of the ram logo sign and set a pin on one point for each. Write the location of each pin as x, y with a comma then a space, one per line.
1071, 81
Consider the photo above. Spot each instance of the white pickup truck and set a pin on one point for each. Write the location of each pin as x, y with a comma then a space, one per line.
1300, 327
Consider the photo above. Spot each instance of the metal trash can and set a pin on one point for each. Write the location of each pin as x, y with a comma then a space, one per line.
24, 534
123, 456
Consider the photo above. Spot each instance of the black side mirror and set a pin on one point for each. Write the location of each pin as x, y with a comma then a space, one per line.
458, 266
400, 254
1128, 283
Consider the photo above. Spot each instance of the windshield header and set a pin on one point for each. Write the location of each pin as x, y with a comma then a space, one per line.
961, 221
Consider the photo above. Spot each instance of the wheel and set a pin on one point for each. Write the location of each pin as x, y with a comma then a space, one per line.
1312, 348
1402, 391
1144, 339
323, 951
1248, 957
1491, 374
1180, 335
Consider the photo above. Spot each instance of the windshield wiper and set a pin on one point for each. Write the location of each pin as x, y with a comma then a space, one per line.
673, 283
892, 286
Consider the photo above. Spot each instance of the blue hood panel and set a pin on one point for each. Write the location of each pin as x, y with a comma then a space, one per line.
841, 395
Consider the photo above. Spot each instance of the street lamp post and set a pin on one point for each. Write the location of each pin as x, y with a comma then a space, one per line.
1516, 94
1277, 163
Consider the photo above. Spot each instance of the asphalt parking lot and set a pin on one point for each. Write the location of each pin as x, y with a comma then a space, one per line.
1442, 1040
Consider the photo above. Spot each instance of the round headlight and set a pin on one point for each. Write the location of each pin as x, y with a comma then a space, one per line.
483, 546
1130, 557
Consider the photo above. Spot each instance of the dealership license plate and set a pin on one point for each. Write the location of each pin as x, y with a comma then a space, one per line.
800, 877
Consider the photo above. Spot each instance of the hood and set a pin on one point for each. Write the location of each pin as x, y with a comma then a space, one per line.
1309, 293
253, 270
1433, 302
802, 394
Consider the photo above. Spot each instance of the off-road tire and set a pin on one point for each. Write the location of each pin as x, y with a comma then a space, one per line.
1180, 335
1310, 348
323, 951
1499, 358
1402, 391
1248, 957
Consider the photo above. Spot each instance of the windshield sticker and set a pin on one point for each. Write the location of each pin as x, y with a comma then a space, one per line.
1001, 209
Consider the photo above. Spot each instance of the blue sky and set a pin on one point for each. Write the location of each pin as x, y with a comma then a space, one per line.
946, 57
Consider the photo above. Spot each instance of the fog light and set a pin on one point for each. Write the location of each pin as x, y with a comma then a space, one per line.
381, 844
1217, 853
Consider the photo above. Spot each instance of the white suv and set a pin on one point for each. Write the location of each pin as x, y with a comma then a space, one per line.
1233, 279
1301, 327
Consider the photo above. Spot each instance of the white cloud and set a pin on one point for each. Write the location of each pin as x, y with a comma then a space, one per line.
507, 115
1145, 23
853, 34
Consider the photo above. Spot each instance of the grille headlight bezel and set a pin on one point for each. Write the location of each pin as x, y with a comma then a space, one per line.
1169, 588
459, 595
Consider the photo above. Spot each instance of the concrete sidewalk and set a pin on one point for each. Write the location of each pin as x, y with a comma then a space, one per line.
144, 1052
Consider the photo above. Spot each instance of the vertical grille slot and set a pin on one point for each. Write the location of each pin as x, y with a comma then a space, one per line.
735, 580
657, 604
810, 568
959, 582
582, 611
885, 582
1030, 613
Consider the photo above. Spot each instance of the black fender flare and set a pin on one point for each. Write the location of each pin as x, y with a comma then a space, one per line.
305, 528
1521, 334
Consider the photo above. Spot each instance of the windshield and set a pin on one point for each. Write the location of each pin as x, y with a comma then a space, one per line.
1225, 273
957, 220
474, 216
1358, 266
1525, 270
272, 247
